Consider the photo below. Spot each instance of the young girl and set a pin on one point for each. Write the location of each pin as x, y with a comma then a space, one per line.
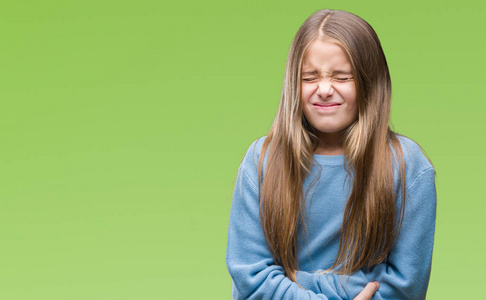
332, 201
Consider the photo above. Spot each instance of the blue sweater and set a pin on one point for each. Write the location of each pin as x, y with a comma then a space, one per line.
404, 275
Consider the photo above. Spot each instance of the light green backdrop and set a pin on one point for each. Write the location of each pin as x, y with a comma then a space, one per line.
122, 125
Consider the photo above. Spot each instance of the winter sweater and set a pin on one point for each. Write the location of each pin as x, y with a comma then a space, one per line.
404, 274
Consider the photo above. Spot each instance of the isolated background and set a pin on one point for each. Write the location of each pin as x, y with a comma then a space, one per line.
122, 125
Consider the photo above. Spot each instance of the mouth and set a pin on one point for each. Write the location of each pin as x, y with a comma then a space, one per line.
329, 105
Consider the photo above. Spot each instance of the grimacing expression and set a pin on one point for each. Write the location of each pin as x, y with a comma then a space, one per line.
328, 89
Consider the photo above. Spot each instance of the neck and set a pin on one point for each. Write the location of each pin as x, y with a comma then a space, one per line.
330, 144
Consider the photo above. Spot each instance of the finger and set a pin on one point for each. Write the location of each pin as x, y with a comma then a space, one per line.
368, 291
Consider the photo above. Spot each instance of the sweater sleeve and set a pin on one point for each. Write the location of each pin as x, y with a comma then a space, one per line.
249, 261
405, 274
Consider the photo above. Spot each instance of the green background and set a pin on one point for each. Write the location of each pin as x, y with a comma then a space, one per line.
122, 125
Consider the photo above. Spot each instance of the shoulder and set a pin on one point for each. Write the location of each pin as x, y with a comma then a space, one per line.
249, 164
416, 162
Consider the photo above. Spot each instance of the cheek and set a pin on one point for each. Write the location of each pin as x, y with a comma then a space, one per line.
354, 109
307, 91
349, 95
348, 92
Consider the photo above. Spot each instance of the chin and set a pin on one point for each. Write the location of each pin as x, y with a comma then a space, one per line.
328, 130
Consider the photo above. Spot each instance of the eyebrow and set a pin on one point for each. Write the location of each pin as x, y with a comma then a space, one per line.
335, 72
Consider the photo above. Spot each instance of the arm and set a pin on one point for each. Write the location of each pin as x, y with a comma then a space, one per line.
250, 263
405, 274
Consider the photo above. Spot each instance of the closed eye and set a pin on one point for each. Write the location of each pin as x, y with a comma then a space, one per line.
309, 79
343, 79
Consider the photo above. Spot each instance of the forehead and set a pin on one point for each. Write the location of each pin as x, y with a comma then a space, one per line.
325, 56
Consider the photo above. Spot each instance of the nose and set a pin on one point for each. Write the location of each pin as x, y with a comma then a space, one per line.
325, 88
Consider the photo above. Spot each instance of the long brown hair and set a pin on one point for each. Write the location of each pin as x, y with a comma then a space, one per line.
370, 224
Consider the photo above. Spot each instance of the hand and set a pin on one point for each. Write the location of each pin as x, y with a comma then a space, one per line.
368, 291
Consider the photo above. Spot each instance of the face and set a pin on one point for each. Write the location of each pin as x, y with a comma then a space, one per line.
328, 88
